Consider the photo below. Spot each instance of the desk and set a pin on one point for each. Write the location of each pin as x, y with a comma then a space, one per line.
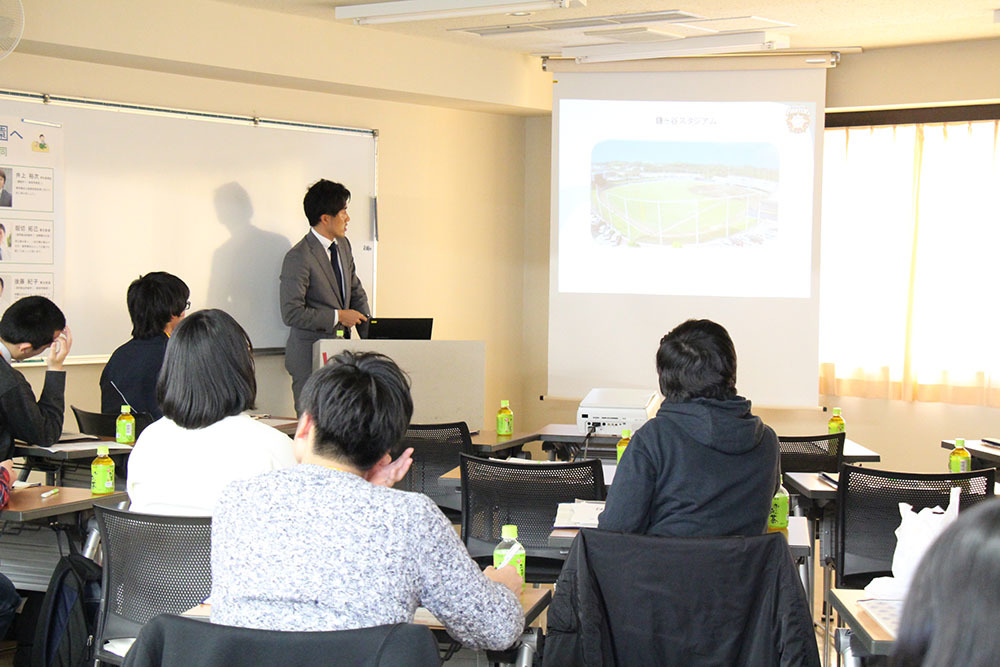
487, 442
867, 636
560, 437
987, 455
29, 550
65, 455
453, 478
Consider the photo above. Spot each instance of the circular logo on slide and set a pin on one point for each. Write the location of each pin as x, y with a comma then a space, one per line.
798, 120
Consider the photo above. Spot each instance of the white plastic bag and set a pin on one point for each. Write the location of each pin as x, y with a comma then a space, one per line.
916, 532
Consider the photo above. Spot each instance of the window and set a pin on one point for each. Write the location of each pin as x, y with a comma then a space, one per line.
911, 243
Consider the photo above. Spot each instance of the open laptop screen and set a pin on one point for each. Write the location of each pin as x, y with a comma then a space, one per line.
400, 328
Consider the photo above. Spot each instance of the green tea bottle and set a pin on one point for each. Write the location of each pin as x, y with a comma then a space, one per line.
836, 423
102, 473
623, 443
125, 427
505, 419
509, 551
959, 460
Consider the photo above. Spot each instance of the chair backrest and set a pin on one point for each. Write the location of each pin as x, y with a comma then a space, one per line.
626, 599
525, 494
868, 513
812, 453
176, 641
102, 425
437, 448
153, 565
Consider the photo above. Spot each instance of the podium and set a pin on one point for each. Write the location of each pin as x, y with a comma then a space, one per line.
447, 377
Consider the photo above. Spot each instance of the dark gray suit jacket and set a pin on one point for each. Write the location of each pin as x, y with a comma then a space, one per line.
309, 296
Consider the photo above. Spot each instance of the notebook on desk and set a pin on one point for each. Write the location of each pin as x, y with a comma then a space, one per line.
400, 328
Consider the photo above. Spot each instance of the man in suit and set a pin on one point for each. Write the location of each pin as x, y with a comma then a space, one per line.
5, 198
320, 290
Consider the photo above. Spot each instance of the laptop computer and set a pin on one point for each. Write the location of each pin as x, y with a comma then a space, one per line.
400, 328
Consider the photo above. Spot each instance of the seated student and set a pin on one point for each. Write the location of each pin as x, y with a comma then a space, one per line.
10, 601
326, 546
180, 463
156, 303
952, 610
27, 328
704, 465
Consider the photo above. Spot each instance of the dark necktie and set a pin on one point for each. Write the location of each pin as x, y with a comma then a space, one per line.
335, 261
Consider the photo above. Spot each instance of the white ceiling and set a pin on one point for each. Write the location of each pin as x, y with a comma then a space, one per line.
814, 23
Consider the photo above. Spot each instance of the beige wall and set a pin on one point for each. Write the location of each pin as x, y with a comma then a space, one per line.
922, 75
464, 194
451, 183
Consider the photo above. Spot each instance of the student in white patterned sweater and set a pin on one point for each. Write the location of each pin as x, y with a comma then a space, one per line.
327, 546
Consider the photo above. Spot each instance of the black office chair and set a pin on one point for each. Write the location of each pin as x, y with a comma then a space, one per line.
153, 565
176, 641
642, 599
868, 514
495, 493
437, 448
812, 453
103, 425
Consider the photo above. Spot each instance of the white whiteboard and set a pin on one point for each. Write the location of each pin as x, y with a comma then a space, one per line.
214, 200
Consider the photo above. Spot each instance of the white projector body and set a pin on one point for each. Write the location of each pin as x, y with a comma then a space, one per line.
609, 411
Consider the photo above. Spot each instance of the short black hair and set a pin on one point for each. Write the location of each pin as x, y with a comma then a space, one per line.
208, 370
324, 198
697, 359
3, 175
361, 406
953, 605
153, 299
34, 320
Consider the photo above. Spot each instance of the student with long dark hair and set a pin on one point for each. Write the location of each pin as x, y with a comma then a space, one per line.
181, 462
704, 465
952, 611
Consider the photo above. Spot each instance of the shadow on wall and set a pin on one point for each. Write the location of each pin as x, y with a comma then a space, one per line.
245, 269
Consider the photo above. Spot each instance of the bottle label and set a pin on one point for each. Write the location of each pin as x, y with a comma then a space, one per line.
959, 463
125, 431
836, 426
102, 478
621, 450
779, 512
505, 423
499, 555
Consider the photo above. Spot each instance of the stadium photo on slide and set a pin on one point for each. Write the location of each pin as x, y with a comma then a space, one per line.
676, 194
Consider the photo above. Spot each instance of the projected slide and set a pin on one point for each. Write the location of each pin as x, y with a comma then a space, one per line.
685, 198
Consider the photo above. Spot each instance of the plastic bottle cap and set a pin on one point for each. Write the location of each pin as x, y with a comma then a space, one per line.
959, 442
836, 412
126, 409
509, 532
504, 403
627, 433
102, 450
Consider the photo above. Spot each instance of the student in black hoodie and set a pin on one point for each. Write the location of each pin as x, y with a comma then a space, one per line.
704, 465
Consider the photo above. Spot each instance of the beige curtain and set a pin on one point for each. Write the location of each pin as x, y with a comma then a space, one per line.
911, 263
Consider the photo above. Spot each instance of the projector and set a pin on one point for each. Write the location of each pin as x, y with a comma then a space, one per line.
609, 411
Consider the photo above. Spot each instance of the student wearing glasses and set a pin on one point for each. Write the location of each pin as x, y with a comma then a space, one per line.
181, 463
333, 548
156, 303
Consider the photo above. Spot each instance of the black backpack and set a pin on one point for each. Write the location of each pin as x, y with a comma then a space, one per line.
67, 622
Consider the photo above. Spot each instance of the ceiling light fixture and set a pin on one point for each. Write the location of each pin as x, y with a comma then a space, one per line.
740, 42
399, 11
